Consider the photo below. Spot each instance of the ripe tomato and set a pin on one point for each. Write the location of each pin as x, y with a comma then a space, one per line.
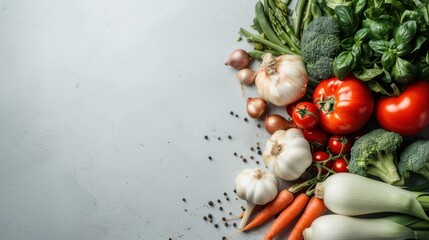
317, 137
321, 156
340, 144
305, 115
340, 165
406, 114
344, 105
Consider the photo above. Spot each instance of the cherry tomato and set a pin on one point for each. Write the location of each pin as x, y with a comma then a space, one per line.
345, 105
340, 165
317, 137
340, 144
406, 114
321, 156
305, 115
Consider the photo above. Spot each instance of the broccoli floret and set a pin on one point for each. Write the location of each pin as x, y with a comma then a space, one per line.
374, 154
321, 69
324, 45
324, 25
320, 44
415, 159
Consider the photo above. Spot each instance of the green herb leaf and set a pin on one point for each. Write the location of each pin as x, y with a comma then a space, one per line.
403, 71
406, 32
360, 6
388, 59
344, 64
382, 29
361, 35
418, 43
376, 87
367, 74
379, 46
347, 19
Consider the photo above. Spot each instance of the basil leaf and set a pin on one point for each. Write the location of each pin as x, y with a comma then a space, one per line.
343, 64
361, 35
396, 4
406, 32
382, 29
408, 15
376, 87
347, 19
418, 43
360, 6
403, 72
403, 49
347, 43
379, 46
356, 50
373, 13
387, 78
367, 74
388, 59
334, 3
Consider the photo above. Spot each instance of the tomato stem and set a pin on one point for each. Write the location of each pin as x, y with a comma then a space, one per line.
328, 105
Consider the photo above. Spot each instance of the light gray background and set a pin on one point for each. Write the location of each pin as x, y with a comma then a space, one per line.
104, 107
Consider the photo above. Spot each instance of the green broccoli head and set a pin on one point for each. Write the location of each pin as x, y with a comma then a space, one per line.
324, 25
374, 154
321, 69
324, 45
415, 159
319, 44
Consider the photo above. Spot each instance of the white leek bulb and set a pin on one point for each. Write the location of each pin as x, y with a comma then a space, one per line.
339, 227
352, 195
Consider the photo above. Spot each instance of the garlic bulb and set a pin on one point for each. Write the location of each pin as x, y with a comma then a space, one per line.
287, 154
282, 80
257, 187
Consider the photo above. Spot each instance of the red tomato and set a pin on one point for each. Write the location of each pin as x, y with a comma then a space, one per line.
406, 114
321, 156
305, 115
317, 138
344, 105
340, 165
340, 144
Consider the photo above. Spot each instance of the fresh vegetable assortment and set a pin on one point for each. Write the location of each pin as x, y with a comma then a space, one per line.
350, 82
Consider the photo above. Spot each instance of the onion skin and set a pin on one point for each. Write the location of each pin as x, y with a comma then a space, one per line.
274, 122
246, 76
238, 59
256, 107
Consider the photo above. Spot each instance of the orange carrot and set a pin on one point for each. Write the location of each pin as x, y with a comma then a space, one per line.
282, 200
315, 208
287, 216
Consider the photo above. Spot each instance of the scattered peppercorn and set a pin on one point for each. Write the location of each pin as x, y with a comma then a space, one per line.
244, 160
227, 199
210, 158
218, 201
225, 194
251, 157
246, 120
210, 216
184, 199
252, 149
224, 238
218, 138
235, 191
206, 137
221, 208
230, 213
236, 115
229, 136
257, 162
205, 218
226, 224
259, 125
235, 154
234, 224
259, 152
223, 218
231, 113
211, 203
215, 225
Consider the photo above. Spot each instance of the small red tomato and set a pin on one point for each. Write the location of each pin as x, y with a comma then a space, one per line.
317, 137
321, 156
305, 115
340, 165
340, 144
